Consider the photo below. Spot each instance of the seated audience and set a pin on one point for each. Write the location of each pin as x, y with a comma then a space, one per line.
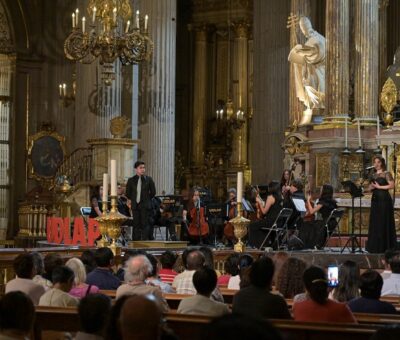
38, 264
25, 271
103, 276
113, 329
245, 262
209, 258
257, 300
318, 308
137, 270
205, 281
231, 267
127, 255
17, 315
389, 254
51, 261
80, 288
391, 285
279, 258
290, 278
349, 282
88, 259
63, 280
154, 278
167, 273
371, 283
93, 311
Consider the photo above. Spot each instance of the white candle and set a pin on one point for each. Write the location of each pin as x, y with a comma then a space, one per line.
73, 20
105, 187
146, 19
83, 24
345, 133
113, 177
115, 15
137, 19
60, 89
94, 14
239, 186
359, 133
64, 89
128, 23
77, 16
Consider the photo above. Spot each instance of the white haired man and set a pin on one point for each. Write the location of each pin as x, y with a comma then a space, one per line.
137, 270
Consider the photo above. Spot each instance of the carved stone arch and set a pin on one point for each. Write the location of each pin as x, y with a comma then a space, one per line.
7, 45
295, 144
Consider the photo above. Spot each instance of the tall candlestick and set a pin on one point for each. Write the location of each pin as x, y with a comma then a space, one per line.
83, 24
94, 14
146, 19
115, 15
105, 187
345, 133
137, 19
128, 23
60, 89
73, 20
113, 177
77, 16
64, 89
359, 133
239, 187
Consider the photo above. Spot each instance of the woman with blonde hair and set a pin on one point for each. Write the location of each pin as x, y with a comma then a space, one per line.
80, 288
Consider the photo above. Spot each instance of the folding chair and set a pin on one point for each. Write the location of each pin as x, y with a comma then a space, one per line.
331, 225
280, 228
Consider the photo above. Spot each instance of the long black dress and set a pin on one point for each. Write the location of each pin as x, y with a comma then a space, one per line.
382, 231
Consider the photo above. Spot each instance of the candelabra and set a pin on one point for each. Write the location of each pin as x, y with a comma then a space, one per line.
103, 227
67, 98
236, 121
110, 36
240, 225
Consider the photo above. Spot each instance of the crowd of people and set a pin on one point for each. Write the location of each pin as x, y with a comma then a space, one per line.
263, 286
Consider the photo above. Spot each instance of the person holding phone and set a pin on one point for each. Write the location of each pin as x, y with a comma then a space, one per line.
382, 231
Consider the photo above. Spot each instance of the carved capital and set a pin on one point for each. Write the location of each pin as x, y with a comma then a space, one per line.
242, 29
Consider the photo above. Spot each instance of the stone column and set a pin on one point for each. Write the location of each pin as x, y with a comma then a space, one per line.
239, 77
299, 8
366, 38
199, 97
337, 59
383, 5
157, 97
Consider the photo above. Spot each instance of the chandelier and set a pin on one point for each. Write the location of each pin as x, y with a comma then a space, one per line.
108, 34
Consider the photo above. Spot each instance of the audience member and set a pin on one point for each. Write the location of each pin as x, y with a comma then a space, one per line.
245, 261
88, 259
127, 255
25, 271
231, 267
51, 261
113, 330
279, 258
167, 260
391, 285
17, 314
257, 300
318, 308
239, 327
209, 258
63, 280
103, 276
349, 282
38, 265
80, 288
154, 278
205, 281
390, 332
93, 311
371, 283
137, 270
290, 278
386, 262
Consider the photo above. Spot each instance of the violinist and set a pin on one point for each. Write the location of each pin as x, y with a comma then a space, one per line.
285, 182
295, 192
270, 210
313, 233
231, 212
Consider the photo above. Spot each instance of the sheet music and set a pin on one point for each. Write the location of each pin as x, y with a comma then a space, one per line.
300, 205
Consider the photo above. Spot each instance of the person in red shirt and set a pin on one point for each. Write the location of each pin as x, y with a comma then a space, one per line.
167, 274
231, 267
318, 308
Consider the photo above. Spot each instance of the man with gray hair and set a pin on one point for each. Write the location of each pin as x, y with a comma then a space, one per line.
137, 270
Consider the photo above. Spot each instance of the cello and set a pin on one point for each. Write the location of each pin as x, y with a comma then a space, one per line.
229, 229
198, 226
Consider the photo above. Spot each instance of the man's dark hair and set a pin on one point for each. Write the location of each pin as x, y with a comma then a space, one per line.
62, 274
16, 312
23, 266
103, 257
262, 272
195, 260
38, 263
88, 259
154, 263
168, 259
138, 163
93, 313
298, 184
51, 261
205, 280
371, 283
389, 254
395, 264
208, 256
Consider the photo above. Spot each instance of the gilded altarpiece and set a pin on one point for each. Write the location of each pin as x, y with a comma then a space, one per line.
323, 169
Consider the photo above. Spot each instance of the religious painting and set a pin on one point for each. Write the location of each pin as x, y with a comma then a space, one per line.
323, 172
45, 153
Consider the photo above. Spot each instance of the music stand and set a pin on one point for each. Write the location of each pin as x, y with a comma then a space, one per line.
355, 191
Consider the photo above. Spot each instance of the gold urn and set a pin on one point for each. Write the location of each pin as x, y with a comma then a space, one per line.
240, 225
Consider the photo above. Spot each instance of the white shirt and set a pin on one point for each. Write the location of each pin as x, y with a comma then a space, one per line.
202, 305
27, 286
391, 286
55, 297
234, 282
386, 274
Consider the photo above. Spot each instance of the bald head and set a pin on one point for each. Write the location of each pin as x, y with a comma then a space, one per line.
137, 268
140, 318
195, 260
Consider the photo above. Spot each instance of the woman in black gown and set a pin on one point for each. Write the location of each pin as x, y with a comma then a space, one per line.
382, 232
270, 210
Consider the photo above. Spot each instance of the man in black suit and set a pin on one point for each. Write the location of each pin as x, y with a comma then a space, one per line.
140, 190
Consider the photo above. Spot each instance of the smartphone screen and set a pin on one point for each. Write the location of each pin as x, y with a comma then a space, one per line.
333, 276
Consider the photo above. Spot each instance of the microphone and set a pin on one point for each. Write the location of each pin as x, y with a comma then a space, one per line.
369, 167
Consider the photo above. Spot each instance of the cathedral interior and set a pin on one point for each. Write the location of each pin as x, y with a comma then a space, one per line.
205, 89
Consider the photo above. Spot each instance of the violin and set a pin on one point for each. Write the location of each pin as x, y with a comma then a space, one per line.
308, 217
229, 229
198, 226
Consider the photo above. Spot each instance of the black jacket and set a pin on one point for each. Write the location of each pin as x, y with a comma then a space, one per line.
147, 193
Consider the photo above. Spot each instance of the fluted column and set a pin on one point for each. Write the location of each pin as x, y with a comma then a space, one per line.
383, 5
199, 100
299, 8
337, 58
240, 51
157, 108
367, 59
